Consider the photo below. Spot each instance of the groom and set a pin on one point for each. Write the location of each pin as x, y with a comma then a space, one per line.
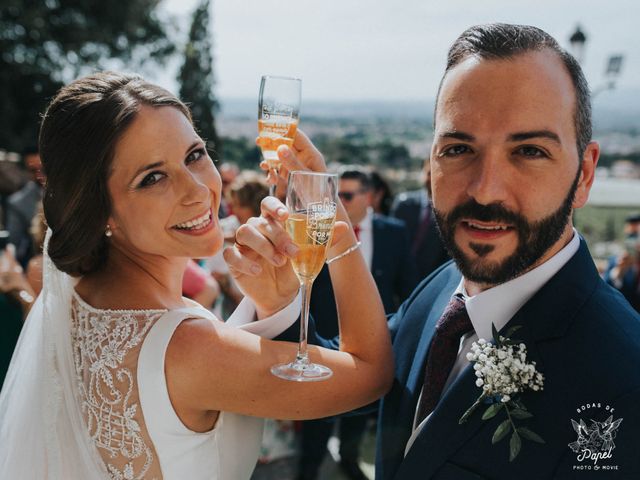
512, 158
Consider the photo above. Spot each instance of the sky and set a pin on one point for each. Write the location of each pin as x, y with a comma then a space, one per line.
385, 49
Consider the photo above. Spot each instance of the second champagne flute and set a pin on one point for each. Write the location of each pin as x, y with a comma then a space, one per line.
278, 115
311, 200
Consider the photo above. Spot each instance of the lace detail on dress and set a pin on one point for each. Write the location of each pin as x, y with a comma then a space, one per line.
105, 361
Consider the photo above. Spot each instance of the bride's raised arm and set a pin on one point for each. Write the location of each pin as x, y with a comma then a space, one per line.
218, 367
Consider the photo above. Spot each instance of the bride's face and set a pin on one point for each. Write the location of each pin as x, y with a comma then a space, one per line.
164, 188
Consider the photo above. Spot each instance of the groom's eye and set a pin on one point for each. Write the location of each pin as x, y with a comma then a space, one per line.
454, 150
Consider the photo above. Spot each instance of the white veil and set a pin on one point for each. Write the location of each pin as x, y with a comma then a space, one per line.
42, 430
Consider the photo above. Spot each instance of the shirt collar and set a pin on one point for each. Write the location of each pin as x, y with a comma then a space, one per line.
499, 304
367, 221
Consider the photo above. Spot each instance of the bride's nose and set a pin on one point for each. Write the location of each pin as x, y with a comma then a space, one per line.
194, 189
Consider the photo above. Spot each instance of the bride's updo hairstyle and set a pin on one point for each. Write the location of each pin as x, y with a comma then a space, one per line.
78, 136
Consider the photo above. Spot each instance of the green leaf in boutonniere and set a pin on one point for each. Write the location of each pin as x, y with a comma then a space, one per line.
514, 446
529, 435
491, 411
520, 414
503, 429
503, 372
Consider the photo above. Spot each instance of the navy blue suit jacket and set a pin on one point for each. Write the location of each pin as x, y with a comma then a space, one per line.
392, 267
585, 339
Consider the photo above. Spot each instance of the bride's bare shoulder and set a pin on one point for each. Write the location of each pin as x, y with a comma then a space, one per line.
196, 352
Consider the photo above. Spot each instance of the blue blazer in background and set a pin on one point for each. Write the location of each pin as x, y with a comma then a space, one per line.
392, 267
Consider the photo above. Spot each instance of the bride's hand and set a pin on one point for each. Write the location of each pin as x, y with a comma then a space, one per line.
259, 259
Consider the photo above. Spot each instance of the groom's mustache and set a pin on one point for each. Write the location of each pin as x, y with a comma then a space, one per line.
494, 212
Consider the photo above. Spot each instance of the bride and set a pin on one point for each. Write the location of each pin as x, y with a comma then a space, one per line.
116, 375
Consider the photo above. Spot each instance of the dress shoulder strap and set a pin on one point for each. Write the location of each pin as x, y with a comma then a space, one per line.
152, 385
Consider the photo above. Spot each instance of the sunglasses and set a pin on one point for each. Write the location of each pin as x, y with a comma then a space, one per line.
348, 196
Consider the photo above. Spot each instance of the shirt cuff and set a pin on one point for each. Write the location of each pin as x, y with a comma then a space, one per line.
269, 327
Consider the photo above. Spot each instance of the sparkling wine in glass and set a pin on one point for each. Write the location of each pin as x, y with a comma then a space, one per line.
278, 115
311, 200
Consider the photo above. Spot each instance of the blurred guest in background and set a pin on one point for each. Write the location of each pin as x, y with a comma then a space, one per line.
34, 267
12, 178
415, 210
13, 282
623, 272
18, 288
198, 285
244, 196
381, 195
228, 173
16, 298
22, 205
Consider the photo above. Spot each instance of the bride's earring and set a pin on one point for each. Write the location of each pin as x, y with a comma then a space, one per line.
108, 231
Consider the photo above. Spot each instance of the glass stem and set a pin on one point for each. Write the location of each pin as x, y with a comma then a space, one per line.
305, 288
272, 188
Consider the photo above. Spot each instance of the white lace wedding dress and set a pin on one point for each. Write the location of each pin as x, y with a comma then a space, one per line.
119, 366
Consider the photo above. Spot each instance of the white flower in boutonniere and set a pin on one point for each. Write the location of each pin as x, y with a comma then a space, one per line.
502, 372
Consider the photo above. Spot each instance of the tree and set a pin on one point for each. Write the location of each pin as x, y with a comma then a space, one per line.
44, 44
196, 77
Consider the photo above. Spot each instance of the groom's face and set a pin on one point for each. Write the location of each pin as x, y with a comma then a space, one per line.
506, 173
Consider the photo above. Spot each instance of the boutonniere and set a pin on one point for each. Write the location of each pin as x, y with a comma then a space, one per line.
502, 372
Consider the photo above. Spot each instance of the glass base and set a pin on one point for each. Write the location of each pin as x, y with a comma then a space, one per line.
298, 371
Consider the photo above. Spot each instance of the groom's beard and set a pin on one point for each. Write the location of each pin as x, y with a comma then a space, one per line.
534, 238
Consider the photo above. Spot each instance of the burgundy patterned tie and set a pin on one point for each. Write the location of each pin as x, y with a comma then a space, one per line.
453, 324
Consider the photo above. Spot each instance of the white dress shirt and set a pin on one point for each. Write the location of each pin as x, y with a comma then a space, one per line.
366, 237
498, 305
245, 313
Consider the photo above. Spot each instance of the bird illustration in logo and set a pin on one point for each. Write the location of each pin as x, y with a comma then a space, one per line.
598, 437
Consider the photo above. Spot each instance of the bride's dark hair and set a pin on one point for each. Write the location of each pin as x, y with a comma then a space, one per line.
79, 132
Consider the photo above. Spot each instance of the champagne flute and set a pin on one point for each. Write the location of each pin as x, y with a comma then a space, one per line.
311, 200
278, 115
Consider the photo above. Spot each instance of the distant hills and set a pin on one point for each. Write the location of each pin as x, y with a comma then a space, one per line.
617, 110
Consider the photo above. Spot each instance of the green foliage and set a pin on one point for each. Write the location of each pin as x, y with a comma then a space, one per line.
607, 159
360, 149
196, 77
601, 224
47, 43
242, 152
